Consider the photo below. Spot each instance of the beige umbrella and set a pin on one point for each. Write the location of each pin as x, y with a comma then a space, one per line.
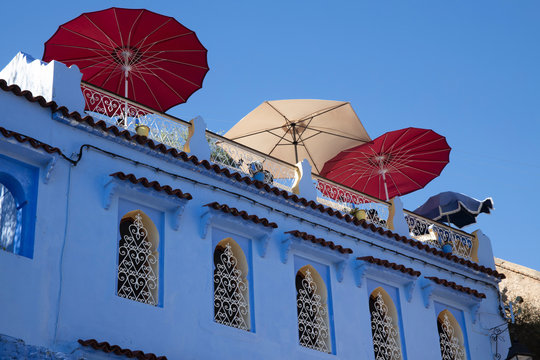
292, 130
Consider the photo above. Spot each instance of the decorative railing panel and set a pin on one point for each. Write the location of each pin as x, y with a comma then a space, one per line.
123, 113
384, 330
241, 159
441, 235
451, 349
347, 200
231, 295
313, 328
173, 132
136, 260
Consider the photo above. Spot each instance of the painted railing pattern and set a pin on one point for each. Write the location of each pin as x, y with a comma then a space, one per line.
173, 132
106, 106
239, 158
437, 235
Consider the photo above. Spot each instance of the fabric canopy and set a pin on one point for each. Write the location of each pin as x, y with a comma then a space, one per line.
458, 209
292, 130
136, 53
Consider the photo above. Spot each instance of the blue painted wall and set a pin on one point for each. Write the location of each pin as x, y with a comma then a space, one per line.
67, 290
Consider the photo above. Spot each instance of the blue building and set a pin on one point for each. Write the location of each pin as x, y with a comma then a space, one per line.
118, 245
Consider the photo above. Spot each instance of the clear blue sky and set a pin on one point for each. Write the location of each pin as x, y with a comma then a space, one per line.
469, 70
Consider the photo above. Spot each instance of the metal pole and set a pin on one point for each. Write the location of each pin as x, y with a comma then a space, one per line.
385, 187
295, 143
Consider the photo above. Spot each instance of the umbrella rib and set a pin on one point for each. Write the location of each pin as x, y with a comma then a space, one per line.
165, 40
106, 68
103, 32
167, 85
151, 71
139, 45
338, 135
149, 88
118, 27
311, 158
133, 26
108, 52
312, 115
99, 43
158, 59
278, 142
256, 133
276, 110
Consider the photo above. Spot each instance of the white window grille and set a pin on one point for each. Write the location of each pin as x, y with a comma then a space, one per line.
138, 259
451, 338
231, 286
313, 324
384, 327
10, 222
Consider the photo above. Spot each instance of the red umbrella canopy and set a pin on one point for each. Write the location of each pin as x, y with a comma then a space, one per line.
136, 53
395, 163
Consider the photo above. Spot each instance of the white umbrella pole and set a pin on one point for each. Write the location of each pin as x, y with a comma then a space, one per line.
385, 187
126, 73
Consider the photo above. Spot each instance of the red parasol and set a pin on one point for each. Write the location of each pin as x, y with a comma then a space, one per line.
395, 163
149, 57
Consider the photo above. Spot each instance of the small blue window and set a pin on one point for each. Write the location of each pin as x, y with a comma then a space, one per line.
18, 194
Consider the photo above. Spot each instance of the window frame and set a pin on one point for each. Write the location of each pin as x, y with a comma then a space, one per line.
245, 243
324, 271
157, 216
22, 180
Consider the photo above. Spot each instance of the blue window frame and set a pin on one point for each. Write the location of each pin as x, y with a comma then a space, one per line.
457, 319
18, 196
393, 293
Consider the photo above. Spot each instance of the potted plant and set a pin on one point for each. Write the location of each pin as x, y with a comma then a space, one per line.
358, 213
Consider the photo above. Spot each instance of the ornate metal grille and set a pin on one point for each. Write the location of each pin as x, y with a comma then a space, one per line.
451, 349
461, 243
384, 330
136, 260
231, 293
313, 329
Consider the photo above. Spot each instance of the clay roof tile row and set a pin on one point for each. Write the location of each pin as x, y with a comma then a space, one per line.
457, 287
152, 184
244, 215
390, 265
142, 140
320, 241
108, 348
36, 144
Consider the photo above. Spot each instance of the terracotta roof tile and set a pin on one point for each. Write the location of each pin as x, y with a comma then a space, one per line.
108, 348
320, 241
142, 140
36, 144
244, 215
152, 184
455, 286
390, 265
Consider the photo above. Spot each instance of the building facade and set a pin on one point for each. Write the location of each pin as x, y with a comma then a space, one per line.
115, 245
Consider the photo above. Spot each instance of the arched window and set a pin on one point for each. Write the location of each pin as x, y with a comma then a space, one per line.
231, 285
384, 326
312, 307
451, 337
10, 220
138, 258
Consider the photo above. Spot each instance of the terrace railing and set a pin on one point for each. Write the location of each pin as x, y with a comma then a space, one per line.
173, 132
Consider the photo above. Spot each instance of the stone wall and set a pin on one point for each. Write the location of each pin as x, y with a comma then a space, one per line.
520, 281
